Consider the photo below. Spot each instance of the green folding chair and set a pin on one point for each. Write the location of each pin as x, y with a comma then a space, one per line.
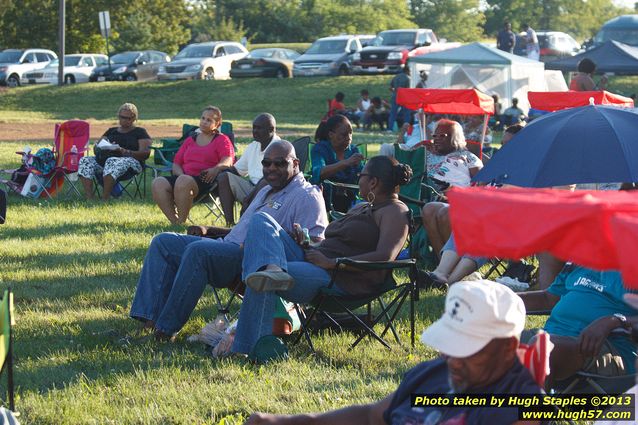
6, 342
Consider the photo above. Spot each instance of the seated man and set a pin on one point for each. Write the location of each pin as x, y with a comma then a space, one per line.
586, 305
232, 184
477, 337
178, 267
513, 114
377, 113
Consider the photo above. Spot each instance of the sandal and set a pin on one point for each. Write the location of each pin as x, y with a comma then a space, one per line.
428, 280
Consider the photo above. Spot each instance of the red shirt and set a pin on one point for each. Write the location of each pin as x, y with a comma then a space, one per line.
335, 106
194, 158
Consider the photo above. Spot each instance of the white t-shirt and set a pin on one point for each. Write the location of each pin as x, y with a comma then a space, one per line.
249, 163
365, 104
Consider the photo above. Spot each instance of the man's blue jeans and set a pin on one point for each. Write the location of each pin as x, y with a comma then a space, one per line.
267, 243
175, 273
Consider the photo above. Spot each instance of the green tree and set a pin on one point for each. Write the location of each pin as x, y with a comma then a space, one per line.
157, 24
456, 20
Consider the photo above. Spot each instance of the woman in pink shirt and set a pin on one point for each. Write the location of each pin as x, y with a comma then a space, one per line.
196, 165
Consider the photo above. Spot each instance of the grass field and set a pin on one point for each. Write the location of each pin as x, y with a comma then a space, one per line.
74, 265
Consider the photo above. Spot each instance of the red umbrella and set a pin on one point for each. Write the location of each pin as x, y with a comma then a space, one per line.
555, 101
516, 222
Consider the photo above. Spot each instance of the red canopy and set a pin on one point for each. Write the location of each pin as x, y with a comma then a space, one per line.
556, 100
624, 228
516, 222
446, 101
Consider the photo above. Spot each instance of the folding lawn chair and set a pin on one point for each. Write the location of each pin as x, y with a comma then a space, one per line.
329, 304
131, 184
3, 206
6, 342
302, 150
71, 140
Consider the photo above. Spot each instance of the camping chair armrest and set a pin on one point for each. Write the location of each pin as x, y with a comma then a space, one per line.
160, 152
376, 265
539, 313
408, 200
433, 190
344, 185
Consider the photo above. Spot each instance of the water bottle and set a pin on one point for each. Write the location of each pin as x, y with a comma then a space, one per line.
306, 238
73, 159
220, 321
73, 163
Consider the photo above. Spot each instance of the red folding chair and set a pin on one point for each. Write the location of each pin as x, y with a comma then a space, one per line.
69, 134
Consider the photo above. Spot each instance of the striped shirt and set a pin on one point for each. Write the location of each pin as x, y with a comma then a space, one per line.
298, 202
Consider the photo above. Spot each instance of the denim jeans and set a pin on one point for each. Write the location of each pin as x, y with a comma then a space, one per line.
175, 273
397, 111
267, 243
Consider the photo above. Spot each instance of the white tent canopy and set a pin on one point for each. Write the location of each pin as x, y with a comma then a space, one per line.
487, 69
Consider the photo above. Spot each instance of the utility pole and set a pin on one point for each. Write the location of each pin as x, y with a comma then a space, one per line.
61, 25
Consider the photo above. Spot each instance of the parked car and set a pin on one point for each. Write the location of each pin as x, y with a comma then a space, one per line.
556, 44
15, 62
553, 45
77, 69
330, 55
389, 51
622, 28
273, 62
203, 61
137, 65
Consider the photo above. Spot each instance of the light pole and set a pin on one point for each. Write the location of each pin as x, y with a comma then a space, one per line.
61, 25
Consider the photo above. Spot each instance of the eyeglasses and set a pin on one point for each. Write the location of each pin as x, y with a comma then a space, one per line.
279, 163
440, 135
363, 175
126, 117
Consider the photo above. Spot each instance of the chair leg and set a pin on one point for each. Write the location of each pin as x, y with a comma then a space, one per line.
384, 311
304, 327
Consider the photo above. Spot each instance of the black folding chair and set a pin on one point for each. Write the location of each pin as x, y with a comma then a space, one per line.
3, 206
329, 303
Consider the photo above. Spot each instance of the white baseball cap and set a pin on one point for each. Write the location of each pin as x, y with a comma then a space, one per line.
476, 312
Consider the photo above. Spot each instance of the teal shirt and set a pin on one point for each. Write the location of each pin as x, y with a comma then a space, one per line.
587, 295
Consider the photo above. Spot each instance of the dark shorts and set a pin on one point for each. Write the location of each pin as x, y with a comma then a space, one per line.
202, 186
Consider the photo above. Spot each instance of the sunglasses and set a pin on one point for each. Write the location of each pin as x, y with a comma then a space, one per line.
279, 163
363, 175
126, 117
440, 135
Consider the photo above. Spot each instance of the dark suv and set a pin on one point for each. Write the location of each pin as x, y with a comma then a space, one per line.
131, 66
390, 49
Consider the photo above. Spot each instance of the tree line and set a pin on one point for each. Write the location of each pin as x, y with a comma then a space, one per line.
168, 25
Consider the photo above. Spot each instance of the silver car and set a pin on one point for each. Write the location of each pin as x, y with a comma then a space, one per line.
203, 61
330, 56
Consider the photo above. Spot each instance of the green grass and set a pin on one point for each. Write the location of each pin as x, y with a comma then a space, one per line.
300, 47
298, 104
74, 265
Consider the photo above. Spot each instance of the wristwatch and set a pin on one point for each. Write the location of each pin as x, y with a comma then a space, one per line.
624, 322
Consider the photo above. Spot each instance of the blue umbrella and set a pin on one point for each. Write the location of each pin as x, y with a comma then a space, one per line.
590, 144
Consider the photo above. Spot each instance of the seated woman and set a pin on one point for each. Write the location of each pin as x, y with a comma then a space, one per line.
449, 163
334, 158
195, 167
583, 80
134, 148
273, 261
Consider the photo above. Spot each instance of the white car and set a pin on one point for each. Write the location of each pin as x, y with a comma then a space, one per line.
203, 61
16, 62
77, 69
